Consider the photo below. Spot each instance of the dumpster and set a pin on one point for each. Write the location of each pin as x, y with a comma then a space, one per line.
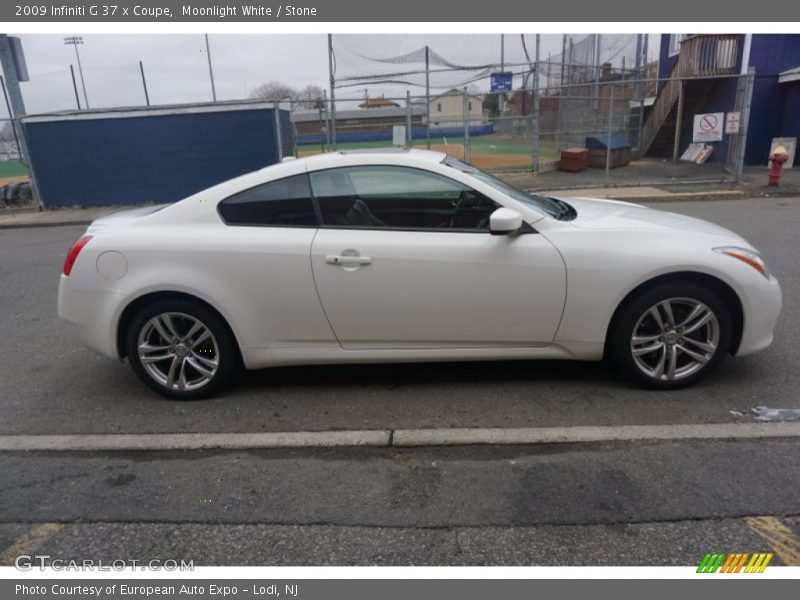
621, 153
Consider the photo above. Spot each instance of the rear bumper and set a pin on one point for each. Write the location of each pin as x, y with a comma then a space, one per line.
762, 307
91, 315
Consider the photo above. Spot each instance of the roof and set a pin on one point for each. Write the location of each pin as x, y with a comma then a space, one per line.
373, 154
790, 75
600, 142
377, 103
149, 111
307, 116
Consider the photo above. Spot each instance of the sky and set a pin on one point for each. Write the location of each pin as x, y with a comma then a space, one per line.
176, 65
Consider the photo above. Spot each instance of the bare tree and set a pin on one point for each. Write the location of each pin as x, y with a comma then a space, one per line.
310, 97
7, 132
273, 90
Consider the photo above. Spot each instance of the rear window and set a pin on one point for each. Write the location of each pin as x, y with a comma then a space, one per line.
283, 203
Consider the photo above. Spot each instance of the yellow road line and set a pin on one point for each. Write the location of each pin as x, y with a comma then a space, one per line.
29, 541
780, 538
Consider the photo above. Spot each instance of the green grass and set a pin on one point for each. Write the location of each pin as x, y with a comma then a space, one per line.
490, 144
12, 168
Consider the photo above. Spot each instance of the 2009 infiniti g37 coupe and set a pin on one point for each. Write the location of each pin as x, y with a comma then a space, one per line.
409, 256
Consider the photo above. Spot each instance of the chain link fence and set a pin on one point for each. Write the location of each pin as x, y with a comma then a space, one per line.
611, 120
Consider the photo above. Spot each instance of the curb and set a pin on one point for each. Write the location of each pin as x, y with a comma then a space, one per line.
387, 438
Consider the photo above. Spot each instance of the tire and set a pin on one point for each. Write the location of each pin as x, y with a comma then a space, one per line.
699, 336
196, 362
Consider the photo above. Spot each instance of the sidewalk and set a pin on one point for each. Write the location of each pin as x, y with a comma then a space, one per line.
11, 218
659, 180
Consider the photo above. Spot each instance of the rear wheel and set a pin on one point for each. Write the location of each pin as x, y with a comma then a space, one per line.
671, 336
181, 349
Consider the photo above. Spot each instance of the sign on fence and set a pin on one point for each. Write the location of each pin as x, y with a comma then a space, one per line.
502, 82
708, 127
733, 121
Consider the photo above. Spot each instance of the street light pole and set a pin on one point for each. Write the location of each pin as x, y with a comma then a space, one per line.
76, 41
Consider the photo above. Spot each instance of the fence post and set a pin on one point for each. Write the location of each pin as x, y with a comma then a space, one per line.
428, 97
466, 126
278, 135
676, 143
745, 119
409, 138
610, 132
333, 91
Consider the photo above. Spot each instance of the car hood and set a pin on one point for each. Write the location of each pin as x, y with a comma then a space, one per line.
122, 219
614, 215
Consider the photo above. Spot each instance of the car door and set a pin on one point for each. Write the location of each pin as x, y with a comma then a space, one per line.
261, 261
404, 259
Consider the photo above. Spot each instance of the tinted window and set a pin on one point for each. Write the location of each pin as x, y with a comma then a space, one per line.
283, 203
398, 197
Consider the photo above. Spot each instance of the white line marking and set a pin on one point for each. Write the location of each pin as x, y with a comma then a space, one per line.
398, 437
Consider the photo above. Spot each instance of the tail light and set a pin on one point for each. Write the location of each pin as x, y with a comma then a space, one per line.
72, 255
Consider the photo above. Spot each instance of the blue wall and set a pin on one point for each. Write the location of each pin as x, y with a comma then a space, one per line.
155, 158
386, 134
775, 110
775, 106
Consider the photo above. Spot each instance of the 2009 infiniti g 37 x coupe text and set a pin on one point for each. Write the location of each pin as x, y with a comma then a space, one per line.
409, 256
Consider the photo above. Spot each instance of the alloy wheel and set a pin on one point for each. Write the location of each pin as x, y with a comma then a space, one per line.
674, 339
178, 351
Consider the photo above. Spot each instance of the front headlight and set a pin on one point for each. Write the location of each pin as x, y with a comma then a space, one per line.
749, 257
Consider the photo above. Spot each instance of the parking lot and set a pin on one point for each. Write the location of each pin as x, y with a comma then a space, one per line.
644, 502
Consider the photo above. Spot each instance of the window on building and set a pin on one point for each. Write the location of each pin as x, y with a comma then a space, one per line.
469, 105
385, 197
283, 203
675, 40
439, 107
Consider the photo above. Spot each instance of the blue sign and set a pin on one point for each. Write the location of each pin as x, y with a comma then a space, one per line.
502, 82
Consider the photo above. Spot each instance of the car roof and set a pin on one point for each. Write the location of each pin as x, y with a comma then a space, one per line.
398, 156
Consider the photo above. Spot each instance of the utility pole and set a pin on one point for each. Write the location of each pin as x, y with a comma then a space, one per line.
211, 70
76, 41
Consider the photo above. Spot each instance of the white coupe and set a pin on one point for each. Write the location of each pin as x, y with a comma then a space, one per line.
389, 256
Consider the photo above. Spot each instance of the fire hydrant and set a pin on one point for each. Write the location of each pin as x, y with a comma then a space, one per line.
779, 156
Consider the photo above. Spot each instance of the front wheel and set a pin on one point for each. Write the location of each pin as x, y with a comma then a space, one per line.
671, 336
181, 349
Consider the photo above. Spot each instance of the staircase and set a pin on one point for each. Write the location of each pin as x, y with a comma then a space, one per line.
701, 56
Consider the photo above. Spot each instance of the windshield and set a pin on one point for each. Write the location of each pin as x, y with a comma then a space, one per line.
552, 207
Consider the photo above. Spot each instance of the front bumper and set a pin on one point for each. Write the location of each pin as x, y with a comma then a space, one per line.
762, 307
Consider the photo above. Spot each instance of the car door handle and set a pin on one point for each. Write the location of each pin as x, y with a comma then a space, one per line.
347, 261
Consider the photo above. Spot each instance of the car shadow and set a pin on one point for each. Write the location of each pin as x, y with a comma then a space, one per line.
396, 375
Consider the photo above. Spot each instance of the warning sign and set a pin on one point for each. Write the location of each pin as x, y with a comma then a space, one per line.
708, 127
732, 122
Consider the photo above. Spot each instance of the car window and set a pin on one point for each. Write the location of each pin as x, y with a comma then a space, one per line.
398, 198
283, 203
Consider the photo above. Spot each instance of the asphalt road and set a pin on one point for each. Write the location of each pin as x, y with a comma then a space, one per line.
645, 502
51, 384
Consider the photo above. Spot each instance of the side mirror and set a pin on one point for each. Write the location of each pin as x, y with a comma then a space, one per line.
504, 221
